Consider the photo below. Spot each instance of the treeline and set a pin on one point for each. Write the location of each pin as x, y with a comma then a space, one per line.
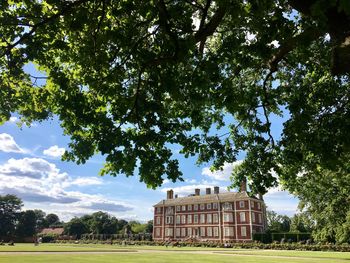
14, 222
300, 222
17, 223
101, 223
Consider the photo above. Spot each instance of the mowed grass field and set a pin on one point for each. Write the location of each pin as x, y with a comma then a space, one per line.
67, 253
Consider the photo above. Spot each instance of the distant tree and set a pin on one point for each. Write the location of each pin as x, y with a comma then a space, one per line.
121, 224
40, 219
136, 227
52, 220
324, 196
149, 227
302, 222
10, 206
27, 224
277, 223
76, 226
103, 223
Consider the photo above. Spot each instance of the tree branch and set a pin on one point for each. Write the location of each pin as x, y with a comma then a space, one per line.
268, 123
210, 28
305, 37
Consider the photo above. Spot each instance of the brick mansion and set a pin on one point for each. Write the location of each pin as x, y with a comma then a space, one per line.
220, 217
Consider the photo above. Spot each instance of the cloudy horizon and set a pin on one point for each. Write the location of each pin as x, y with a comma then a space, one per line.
31, 168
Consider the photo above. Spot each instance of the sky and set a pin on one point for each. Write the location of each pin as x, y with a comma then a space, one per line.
31, 168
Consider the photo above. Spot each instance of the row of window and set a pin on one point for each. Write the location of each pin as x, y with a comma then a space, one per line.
208, 218
201, 231
209, 206
195, 207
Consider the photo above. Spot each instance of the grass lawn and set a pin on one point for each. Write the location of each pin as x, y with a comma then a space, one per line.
104, 253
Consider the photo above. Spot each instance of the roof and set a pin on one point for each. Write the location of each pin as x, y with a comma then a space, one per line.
56, 231
197, 199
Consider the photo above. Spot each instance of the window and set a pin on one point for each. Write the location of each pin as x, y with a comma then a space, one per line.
259, 206
169, 232
177, 219
252, 204
189, 231
202, 218
169, 211
228, 217
209, 218
259, 218
227, 206
158, 210
178, 208
189, 207
183, 219
195, 207
215, 206
183, 232
169, 219
215, 218
157, 231
178, 232
208, 206
209, 232
158, 220
241, 204
242, 216
216, 231
202, 231
183, 208
228, 231
243, 231
189, 219
202, 206
195, 219
253, 217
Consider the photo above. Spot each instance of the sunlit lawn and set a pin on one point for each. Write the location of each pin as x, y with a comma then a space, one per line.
160, 254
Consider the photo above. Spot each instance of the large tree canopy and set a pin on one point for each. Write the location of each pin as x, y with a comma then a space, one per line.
130, 78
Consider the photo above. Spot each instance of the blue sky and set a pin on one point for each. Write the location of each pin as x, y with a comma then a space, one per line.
30, 167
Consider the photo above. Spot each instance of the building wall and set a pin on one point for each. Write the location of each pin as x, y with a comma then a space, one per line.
229, 221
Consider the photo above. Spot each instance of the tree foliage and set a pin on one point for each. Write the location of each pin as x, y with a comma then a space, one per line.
129, 79
277, 223
324, 196
27, 224
10, 207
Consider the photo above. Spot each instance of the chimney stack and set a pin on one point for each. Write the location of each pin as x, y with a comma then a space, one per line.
216, 190
169, 194
260, 196
197, 191
175, 196
208, 191
243, 187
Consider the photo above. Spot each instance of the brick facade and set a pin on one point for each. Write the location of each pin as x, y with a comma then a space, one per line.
230, 216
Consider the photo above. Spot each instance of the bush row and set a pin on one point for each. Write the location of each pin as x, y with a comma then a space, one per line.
247, 245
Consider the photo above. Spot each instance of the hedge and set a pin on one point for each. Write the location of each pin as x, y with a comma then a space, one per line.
247, 245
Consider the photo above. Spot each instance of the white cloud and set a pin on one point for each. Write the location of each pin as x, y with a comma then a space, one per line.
221, 175
41, 183
191, 181
84, 181
54, 151
13, 119
8, 144
166, 181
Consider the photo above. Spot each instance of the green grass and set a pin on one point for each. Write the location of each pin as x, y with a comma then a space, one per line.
154, 257
160, 254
